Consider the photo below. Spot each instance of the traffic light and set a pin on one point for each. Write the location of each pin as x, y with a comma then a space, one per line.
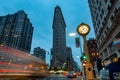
83, 57
84, 63
77, 41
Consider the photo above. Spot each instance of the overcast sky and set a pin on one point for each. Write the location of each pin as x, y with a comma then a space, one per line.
40, 13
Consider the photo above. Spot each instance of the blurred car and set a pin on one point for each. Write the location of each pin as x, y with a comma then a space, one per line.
59, 72
65, 73
52, 72
72, 74
79, 73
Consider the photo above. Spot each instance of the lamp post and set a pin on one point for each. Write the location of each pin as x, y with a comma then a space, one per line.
83, 30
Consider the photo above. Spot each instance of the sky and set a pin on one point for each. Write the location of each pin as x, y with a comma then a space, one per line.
40, 13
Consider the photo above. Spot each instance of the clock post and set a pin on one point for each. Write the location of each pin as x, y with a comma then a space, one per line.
83, 30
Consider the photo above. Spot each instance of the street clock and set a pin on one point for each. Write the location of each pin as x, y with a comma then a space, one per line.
83, 29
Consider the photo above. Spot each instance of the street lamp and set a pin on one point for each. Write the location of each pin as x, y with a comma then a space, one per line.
83, 30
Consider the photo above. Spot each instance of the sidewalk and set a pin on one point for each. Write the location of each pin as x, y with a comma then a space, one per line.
79, 78
97, 78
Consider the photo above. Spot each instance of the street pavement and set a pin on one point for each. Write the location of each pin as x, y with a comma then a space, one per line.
53, 77
61, 77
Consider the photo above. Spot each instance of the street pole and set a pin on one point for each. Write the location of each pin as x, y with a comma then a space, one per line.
88, 67
83, 67
83, 30
86, 49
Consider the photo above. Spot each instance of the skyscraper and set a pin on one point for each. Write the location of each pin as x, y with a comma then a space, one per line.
16, 31
69, 60
40, 53
105, 16
59, 39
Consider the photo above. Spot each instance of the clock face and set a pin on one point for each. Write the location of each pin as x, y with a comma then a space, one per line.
83, 29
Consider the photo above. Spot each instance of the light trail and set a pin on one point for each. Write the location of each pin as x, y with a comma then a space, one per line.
17, 62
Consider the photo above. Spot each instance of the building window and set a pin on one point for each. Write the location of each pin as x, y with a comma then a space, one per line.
109, 7
106, 1
112, 18
102, 11
100, 3
116, 11
119, 50
56, 51
101, 16
107, 29
112, 2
